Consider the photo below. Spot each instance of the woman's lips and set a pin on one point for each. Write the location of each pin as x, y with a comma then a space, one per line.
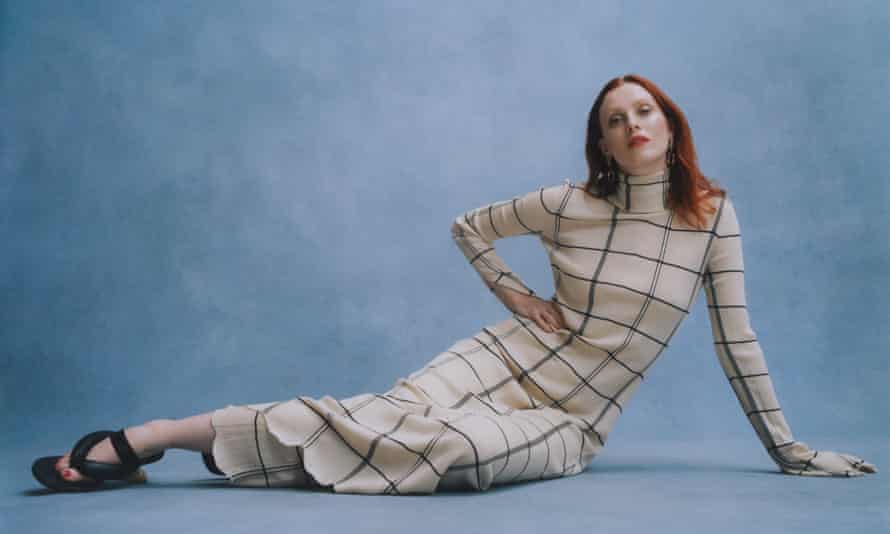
638, 140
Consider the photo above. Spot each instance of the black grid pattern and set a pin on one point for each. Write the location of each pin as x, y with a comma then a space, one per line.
513, 402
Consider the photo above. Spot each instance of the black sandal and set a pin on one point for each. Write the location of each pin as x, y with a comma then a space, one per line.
210, 463
44, 469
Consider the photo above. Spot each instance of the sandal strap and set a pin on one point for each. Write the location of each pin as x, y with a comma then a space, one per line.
84, 445
124, 450
126, 453
99, 471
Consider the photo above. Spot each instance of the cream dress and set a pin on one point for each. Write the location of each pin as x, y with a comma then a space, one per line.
514, 402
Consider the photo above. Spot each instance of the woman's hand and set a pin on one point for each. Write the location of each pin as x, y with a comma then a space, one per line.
832, 464
546, 314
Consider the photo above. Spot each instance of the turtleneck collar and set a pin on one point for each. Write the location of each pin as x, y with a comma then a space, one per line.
641, 193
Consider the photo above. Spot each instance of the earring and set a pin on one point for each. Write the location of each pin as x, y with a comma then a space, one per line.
610, 171
670, 157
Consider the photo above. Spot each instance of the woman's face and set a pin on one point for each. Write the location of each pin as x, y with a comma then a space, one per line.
629, 111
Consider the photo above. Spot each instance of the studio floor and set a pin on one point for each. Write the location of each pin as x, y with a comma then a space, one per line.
657, 486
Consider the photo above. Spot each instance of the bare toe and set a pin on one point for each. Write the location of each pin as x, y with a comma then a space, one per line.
66, 472
62, 463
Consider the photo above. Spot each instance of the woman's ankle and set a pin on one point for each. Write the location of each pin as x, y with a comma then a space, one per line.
149, 438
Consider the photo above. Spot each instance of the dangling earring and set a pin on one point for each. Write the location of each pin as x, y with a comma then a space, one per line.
610, 171
670, 156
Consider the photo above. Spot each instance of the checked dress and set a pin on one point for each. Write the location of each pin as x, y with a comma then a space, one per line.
514, 402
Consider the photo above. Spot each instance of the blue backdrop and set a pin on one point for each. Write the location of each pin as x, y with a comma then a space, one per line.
212, 203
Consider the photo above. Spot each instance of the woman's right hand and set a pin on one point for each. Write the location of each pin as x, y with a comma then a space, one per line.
546, 314
832, 464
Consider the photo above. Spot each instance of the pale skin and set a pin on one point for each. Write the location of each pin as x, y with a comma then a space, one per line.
627, 110
630, 110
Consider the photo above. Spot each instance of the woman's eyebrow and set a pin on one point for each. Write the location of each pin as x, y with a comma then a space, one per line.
643, 100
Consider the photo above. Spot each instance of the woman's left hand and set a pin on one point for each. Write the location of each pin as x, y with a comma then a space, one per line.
832, 464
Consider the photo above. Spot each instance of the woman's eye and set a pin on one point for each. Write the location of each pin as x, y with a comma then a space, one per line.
645, 110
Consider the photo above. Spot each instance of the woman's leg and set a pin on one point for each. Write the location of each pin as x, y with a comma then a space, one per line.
192, 433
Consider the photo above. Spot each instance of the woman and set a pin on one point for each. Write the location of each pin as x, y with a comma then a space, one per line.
533, 396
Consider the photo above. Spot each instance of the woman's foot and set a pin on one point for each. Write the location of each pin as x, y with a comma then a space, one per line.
154, 437
140, 439
102, 452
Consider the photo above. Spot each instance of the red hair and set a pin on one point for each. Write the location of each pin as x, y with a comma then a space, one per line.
689, 189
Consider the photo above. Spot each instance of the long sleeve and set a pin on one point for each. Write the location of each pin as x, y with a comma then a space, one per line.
475, 231
737, 348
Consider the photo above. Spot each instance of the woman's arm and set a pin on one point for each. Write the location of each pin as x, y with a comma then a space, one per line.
475, 231
741, 357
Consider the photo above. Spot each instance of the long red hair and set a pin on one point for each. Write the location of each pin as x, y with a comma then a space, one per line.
689, 189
